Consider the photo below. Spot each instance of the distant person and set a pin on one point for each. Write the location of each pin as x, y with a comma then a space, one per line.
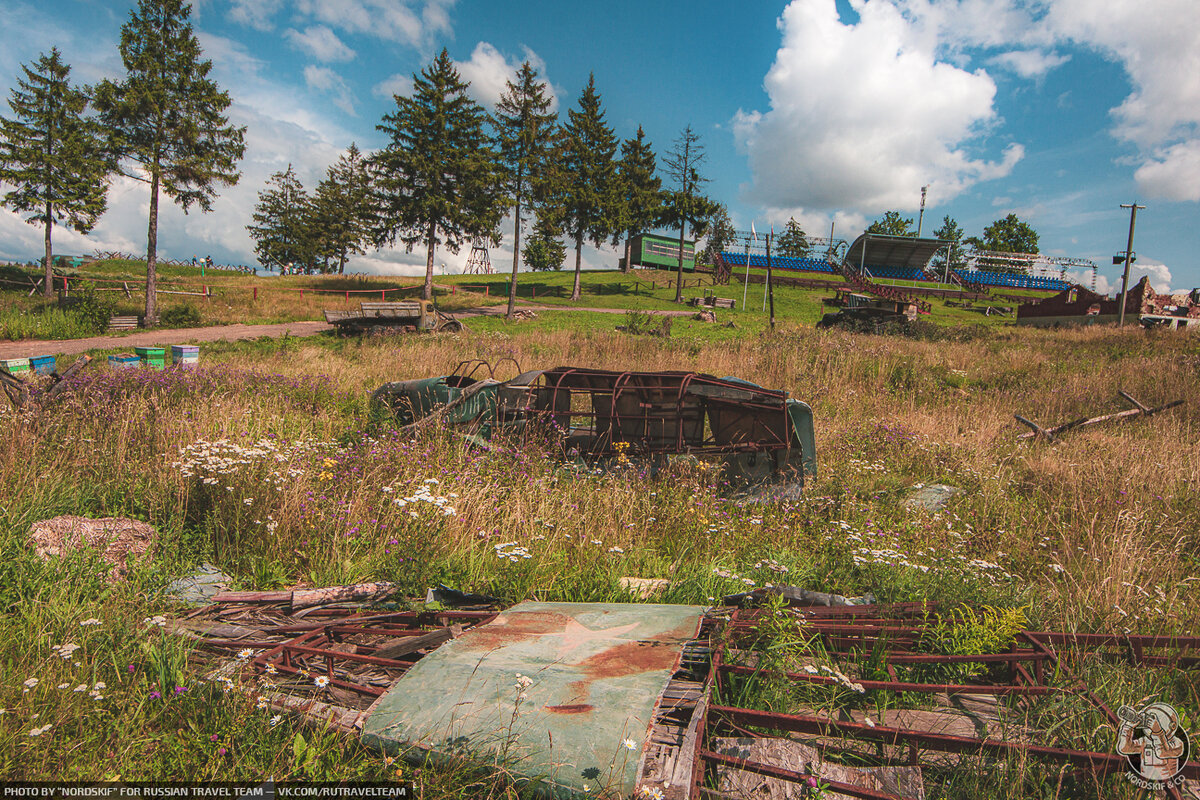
208, 261
194, 264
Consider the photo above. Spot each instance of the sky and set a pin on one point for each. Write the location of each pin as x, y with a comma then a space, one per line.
828, 111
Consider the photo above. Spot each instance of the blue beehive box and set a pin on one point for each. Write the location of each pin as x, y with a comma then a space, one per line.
185, 355
124, 361
42, 365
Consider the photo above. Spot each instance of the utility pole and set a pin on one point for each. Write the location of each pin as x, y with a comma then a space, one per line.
921, 218
1133, 209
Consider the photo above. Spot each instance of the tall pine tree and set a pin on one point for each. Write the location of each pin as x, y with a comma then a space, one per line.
437, 181
53, 154
524, 131
640, 189
957, 257
167, 118
685, 204
544, 250
282, 232
584, 178
341, 211
793, 242
721, 234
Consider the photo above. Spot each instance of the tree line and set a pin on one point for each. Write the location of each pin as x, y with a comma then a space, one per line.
451, 172
163, 124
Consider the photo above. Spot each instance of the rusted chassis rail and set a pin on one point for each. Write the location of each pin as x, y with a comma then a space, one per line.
1098, 763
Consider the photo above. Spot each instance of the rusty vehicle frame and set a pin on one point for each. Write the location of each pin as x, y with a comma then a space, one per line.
682, 759
758, 433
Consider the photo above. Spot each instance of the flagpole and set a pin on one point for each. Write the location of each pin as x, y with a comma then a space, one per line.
746, 280
767, 281
770, 286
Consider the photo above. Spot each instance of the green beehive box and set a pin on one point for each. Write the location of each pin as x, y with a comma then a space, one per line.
152, 357
16, 366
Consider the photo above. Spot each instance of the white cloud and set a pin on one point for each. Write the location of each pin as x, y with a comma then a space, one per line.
407, 21
323, 79
257, 14
394, 85
1159, 274
1029, 63
319, 42
863, 115
489, 71
1173, 172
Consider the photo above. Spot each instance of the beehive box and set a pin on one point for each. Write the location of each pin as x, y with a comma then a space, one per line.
42, 365
185, 355
16, 366
152, 357
124, 361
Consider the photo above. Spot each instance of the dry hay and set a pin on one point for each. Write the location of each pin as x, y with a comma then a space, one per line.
116, 538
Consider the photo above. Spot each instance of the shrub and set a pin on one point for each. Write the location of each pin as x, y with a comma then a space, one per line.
184, 315
91, 308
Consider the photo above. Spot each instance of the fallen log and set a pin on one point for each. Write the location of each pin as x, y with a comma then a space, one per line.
305, 598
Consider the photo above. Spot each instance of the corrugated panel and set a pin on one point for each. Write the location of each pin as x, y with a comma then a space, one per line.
597, 671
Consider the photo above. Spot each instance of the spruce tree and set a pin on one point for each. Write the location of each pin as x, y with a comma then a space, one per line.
793, 242
341, 211
950, 232
585, 177
282, 229
640, 189
892, 223
437, 181
53, 154
544, 250
685, 204
167, 118
720, 234
524, 130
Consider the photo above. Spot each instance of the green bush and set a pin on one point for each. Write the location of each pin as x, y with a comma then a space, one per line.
184, 315
93, 309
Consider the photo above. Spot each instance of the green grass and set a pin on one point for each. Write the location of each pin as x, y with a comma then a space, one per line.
1066, 533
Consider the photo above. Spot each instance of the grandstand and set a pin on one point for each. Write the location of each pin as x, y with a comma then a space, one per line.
1013, 280
873, 262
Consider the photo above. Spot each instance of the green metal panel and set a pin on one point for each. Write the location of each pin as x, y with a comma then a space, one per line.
416, 399
802, 428
597, 672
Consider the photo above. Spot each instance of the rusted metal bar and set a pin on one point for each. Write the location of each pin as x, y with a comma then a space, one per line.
1118, 640
791, 776
1099, 763
324, 651
357, 688
902, 686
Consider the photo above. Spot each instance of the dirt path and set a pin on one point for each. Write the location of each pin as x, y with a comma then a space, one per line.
231, 333
157, 338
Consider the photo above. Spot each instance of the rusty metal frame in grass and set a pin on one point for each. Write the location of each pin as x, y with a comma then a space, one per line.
864, 628
315, 643
654, 412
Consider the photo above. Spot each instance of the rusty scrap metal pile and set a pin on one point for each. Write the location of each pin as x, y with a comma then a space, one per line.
336, 664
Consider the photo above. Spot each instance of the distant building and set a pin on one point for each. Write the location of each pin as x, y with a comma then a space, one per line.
1078, 306
652, 250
